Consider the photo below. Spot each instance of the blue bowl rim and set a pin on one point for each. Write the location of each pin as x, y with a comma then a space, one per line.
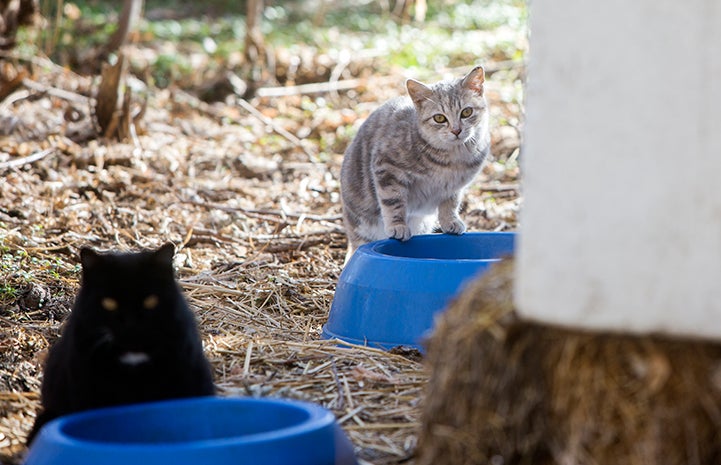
350, 331
318, 418
372, 249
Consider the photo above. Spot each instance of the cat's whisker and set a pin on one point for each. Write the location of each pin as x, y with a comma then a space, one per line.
104, 337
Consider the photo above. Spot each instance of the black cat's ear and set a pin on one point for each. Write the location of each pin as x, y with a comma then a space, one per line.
474, 80
418, 91
164, 255
89, 258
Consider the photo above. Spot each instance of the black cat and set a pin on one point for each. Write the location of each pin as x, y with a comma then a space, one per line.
130, 338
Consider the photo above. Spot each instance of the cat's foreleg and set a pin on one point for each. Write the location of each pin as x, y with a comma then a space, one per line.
450, 221
391, 185
394, 213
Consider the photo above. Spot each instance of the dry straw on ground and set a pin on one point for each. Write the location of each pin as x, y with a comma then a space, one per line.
251, 201
511, 392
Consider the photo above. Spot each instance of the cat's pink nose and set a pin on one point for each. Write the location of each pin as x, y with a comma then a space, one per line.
456, 131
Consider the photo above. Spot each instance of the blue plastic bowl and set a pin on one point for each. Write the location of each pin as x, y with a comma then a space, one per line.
390, 291
206, 430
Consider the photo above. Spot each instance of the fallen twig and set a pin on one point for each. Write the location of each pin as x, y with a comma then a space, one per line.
209, 110
254, 211
55, 92
12, 98
290, 137
273, 247
25, 160
312, 88
499, 187
382, 426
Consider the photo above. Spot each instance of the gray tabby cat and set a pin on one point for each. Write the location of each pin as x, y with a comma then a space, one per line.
412, 159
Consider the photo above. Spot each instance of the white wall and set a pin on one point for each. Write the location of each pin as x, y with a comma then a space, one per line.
621, 220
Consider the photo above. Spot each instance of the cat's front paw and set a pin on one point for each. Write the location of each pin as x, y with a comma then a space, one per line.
399, 231
454, 226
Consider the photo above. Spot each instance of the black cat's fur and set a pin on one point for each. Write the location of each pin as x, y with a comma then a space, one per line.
130, 338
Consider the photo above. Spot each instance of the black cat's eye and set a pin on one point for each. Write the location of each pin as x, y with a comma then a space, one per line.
151, 302
466, 112
439, 118
109, 304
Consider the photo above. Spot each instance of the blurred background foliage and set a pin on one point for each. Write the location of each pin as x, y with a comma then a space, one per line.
186, 43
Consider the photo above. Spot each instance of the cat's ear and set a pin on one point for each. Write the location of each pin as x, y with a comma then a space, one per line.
418, 91
164, 255
89, 258
474, 80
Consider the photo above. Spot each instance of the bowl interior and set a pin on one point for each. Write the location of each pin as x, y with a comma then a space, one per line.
447, 247
174, 422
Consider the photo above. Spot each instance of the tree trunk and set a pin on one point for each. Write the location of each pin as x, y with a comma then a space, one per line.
259, 59
254, 43
128, 19
15, 13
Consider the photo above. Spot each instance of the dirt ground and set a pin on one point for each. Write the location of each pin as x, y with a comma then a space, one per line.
248, 191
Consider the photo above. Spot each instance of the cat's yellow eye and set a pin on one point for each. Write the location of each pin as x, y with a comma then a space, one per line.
151, 302
109, 304
439, 118
466, 112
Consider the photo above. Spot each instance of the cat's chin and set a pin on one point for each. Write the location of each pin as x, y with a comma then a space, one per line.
134, 358
446, 144
451, 144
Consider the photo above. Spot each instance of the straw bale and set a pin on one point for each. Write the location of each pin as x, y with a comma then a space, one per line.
507, 391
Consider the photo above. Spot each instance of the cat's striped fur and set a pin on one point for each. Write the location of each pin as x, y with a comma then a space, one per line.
411, 160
